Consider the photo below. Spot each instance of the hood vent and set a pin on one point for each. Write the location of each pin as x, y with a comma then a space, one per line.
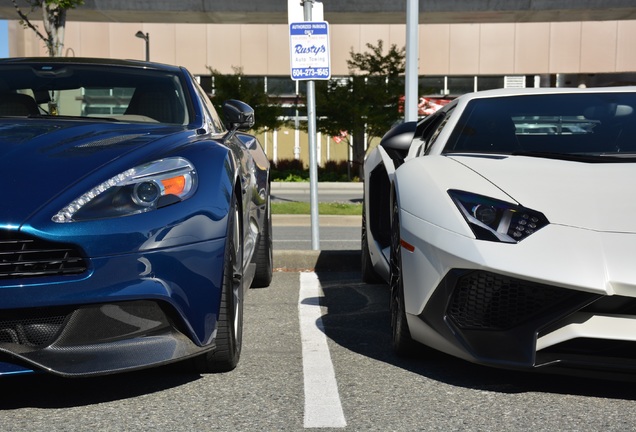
105, 142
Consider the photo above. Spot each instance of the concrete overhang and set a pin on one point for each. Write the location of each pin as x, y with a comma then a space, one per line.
343, 11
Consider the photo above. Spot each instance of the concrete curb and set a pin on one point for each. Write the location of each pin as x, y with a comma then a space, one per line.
312, 260
323, 220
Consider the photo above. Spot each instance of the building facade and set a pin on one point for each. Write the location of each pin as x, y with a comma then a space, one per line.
453, 58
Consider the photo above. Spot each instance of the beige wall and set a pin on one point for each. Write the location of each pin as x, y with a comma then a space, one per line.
284, 140
445, 49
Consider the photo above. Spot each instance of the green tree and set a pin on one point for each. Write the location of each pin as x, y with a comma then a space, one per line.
252, 92
368, 101
53, 18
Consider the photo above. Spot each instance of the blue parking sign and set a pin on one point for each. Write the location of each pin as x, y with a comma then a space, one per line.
309, 47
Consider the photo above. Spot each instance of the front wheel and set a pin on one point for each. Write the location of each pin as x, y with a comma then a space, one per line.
401, 339
229, 335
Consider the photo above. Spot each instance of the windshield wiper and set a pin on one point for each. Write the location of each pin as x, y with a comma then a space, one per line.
67, 117
578, 157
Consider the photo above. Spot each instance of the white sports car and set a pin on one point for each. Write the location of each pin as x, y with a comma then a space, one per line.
505, 225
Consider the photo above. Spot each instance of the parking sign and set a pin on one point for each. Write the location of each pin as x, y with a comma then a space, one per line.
309, 47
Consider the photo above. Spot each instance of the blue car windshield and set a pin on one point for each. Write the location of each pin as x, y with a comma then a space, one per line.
580, 124
92, 91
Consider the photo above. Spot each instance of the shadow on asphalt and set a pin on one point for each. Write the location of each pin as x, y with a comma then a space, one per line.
50, 392
358, 319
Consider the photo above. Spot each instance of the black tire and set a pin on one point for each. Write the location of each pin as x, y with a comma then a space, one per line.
263, 256
369, 275
229, 336
401, 340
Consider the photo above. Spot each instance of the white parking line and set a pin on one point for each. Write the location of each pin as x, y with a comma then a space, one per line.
321, 240
322, 400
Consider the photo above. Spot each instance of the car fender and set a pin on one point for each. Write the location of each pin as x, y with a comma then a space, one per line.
422, 186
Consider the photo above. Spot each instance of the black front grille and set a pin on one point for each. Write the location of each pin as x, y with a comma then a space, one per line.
483, 300
22, 257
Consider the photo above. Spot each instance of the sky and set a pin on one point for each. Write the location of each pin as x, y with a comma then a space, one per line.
4, 39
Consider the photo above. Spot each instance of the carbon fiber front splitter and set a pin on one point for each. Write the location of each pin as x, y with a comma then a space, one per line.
94, 340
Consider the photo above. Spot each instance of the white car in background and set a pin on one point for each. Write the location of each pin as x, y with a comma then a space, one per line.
505, 225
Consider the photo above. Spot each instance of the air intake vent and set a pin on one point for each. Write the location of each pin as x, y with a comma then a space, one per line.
22, 257
31, 332
489, 301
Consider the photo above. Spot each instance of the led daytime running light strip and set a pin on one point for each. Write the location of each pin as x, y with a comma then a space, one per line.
67, 213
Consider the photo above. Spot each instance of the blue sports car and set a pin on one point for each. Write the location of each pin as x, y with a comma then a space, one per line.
133, 218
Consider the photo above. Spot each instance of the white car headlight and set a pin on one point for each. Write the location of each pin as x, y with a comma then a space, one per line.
137, 190
494, 220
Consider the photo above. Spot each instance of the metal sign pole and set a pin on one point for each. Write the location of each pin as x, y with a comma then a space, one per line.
313, 169
412, 39
310, 60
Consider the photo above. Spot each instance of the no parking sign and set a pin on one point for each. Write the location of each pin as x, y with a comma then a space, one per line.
309, 47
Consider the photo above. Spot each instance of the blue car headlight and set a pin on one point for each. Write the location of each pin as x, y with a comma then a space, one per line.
494, 220
137, 190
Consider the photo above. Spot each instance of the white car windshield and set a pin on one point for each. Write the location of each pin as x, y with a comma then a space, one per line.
590, 124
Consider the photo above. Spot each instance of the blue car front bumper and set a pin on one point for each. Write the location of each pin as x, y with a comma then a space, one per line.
125, 312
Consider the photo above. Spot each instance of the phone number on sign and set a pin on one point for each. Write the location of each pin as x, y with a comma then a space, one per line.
311, 73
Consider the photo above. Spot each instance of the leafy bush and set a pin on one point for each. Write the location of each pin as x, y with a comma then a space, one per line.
293, 170
288, 170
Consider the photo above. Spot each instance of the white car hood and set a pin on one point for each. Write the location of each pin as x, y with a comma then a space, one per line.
595, 196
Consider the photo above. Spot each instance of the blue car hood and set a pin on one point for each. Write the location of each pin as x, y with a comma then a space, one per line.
39, 159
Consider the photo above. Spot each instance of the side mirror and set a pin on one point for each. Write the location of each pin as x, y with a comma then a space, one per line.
400, 137
399, 140
238, 115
